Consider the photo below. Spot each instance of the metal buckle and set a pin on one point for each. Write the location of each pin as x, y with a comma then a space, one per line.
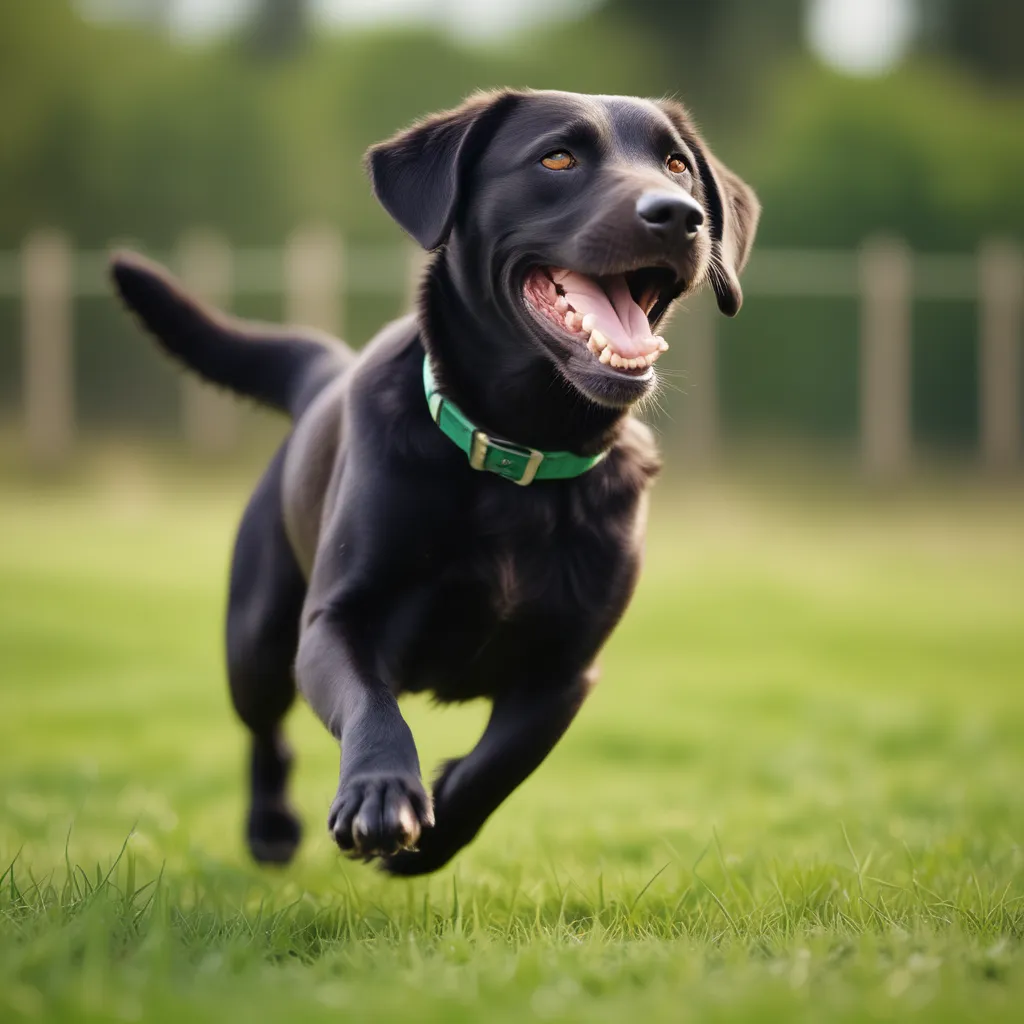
481, 444
532, 465
478, 449
435, 402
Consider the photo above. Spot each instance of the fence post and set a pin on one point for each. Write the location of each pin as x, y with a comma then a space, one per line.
48, 359
695, 329
210, 417
1000, 312
885, 319
313, 269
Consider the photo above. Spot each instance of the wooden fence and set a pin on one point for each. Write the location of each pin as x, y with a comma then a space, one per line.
315, 271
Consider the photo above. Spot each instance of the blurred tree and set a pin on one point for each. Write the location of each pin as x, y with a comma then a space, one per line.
926, 153
716, 54
985, 35
112, 130
278, 28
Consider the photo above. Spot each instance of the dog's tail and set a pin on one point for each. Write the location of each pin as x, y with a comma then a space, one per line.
282, 367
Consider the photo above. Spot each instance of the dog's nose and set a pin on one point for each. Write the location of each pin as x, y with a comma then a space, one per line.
665, 213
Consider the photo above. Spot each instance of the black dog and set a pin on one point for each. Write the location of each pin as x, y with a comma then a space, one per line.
373, 558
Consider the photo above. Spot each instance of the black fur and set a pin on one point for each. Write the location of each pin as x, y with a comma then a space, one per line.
372, 560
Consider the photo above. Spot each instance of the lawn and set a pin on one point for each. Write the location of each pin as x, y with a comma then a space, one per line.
796, 794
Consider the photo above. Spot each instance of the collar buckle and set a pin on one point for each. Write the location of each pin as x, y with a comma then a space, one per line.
509, 458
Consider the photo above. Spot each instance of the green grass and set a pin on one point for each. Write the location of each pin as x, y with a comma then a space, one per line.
797, 793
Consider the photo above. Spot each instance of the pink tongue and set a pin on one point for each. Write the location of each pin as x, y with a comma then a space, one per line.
619, 318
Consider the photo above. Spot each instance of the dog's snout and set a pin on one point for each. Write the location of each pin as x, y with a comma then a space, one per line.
669, 212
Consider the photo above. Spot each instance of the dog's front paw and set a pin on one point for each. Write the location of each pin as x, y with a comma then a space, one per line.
379, 815
454, 829
436, 848
410, 863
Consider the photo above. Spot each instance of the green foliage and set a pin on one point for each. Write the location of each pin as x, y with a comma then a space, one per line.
794, 796
112, 133
923, 153
986, 36
115, 133
716, 54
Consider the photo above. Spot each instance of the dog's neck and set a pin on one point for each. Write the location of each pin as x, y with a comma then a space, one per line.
500, 380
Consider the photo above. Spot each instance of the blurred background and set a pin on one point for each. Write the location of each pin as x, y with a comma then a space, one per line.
830, 622
885, 138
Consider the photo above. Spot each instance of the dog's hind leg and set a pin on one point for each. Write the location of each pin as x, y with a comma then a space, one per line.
264, 605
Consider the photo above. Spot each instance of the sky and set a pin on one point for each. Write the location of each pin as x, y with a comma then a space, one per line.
859, 37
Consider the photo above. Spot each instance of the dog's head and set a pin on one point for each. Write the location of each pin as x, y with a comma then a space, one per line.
579, 219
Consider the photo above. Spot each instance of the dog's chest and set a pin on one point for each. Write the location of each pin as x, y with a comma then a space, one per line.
532, 588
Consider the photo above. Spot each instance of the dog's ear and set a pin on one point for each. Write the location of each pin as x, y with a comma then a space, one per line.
733, 210
418, 174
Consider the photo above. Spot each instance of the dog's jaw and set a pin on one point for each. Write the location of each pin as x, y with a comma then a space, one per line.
599, 329
626, 343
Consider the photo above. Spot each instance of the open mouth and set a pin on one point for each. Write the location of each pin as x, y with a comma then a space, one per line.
610, 315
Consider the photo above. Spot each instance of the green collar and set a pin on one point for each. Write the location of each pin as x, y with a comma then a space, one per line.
514, 462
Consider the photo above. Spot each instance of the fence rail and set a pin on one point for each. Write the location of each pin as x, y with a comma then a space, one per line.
378, 270
315, 270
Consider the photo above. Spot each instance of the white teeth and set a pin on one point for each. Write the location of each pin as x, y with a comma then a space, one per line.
662, 343
561, 303
595, 336
601, 347
589, 322
570, 319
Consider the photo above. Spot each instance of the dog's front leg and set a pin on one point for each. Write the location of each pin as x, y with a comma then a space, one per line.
381, 806
523, 728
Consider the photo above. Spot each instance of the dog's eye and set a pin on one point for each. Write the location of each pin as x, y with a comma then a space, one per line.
677, 164
560, 160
